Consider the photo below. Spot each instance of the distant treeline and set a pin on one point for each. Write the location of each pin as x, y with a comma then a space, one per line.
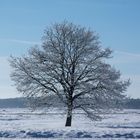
22, 103
132, 104
13, 103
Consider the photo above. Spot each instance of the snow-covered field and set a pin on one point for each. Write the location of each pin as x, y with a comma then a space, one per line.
23, 123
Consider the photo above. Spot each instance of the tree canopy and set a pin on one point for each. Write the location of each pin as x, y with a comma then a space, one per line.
70, 64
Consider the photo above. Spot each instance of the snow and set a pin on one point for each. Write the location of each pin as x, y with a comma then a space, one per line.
24, 123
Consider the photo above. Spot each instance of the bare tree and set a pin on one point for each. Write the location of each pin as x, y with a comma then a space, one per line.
71, 65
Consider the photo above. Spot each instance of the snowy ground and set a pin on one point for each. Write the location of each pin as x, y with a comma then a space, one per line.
22, 123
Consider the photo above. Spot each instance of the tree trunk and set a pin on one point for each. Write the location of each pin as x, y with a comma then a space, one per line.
69, 117
68, 121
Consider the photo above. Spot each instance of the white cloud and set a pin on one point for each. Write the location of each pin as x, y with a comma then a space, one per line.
125, 57
24, 42
134, 88
6, 88
21, 41
4, 66
129, 65
8, 91
128, 54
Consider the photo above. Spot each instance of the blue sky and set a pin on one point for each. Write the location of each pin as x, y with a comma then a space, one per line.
117, 22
